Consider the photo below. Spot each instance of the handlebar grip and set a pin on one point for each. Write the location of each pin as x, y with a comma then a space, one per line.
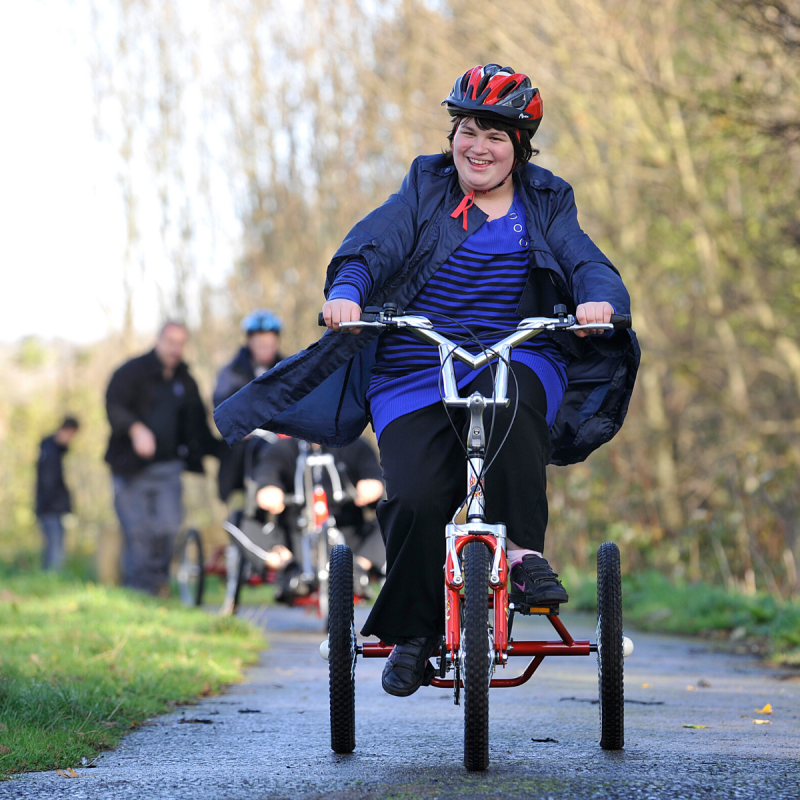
365, 317
621, 321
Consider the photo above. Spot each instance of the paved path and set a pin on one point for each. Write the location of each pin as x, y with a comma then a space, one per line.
269, 737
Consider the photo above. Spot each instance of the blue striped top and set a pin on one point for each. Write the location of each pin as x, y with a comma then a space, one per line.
478, 288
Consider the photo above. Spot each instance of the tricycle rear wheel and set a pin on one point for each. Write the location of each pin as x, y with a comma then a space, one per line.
476, 667
342, 651
609, 648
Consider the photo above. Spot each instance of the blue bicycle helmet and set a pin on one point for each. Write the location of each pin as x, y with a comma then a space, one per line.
262, 321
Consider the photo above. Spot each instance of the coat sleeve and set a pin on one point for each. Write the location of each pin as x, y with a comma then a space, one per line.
275, 466
198, 435
49, 472
590, 274
119, 402
361, 461
385, 238
228, 383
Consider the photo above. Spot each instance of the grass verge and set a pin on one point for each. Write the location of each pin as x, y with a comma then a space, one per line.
652, 602
81, 664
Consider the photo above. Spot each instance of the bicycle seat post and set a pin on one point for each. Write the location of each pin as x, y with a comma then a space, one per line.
476, 452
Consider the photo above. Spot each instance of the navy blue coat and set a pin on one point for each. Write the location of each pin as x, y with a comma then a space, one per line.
52, 494
320, 393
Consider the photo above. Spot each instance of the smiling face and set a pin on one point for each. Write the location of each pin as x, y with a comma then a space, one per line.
483, 158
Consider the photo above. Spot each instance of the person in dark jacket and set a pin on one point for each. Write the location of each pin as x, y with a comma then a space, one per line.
258, 355
276, 472
52, 495
158, 429
484, 237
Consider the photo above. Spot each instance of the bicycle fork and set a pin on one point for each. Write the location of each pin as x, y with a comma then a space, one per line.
476, 529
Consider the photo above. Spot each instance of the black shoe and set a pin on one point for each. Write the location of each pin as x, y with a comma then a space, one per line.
361, 582
535, 578
289, 584
407, 668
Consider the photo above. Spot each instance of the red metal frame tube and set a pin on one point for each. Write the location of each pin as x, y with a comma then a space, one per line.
497, 683
579, 647
560, 629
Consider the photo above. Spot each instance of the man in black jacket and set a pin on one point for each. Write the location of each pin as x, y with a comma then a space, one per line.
158, 429
258, 355
52, 495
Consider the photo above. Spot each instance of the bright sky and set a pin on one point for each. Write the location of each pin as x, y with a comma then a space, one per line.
62, 227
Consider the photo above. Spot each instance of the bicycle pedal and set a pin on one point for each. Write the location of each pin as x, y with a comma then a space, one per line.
521, 607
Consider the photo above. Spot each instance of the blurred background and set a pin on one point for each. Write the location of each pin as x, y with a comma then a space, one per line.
201, 158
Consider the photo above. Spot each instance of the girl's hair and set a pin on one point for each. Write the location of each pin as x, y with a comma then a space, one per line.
520, 138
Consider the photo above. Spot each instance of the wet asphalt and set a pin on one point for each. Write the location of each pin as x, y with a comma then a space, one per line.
269, 737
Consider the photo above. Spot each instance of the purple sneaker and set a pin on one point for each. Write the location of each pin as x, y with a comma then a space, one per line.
534, 578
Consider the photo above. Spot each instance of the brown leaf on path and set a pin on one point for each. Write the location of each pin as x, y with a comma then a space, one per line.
703, 684
68, 773
766, 710
691, 688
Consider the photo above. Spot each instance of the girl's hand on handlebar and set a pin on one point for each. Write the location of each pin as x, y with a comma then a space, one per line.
368, 491
336, 311
587, 313
271, 499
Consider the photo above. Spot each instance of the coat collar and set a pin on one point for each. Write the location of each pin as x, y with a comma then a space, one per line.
156, 368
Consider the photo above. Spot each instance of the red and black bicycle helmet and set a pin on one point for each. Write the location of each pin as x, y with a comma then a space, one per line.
496, 92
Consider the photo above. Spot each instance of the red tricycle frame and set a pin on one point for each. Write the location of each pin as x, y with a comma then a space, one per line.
499, 602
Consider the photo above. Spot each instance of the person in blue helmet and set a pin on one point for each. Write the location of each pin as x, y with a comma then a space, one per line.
257, 355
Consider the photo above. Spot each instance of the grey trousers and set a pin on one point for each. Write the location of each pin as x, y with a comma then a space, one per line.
150, 513
53, 533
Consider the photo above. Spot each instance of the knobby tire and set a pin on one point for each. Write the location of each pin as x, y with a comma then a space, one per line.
341, 651
475, 637
609, 640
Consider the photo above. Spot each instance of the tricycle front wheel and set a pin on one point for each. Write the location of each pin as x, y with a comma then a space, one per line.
477, 656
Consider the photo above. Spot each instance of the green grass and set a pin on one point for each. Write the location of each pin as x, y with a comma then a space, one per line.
81, 664
653, 602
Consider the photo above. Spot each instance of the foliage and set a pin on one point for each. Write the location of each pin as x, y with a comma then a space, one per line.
653, 602
82, 664
676, 123
33, 401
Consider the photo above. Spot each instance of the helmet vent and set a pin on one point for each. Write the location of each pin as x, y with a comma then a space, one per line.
505, 90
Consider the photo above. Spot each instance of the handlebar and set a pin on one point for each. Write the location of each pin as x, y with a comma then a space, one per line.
422, 328
369, 317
